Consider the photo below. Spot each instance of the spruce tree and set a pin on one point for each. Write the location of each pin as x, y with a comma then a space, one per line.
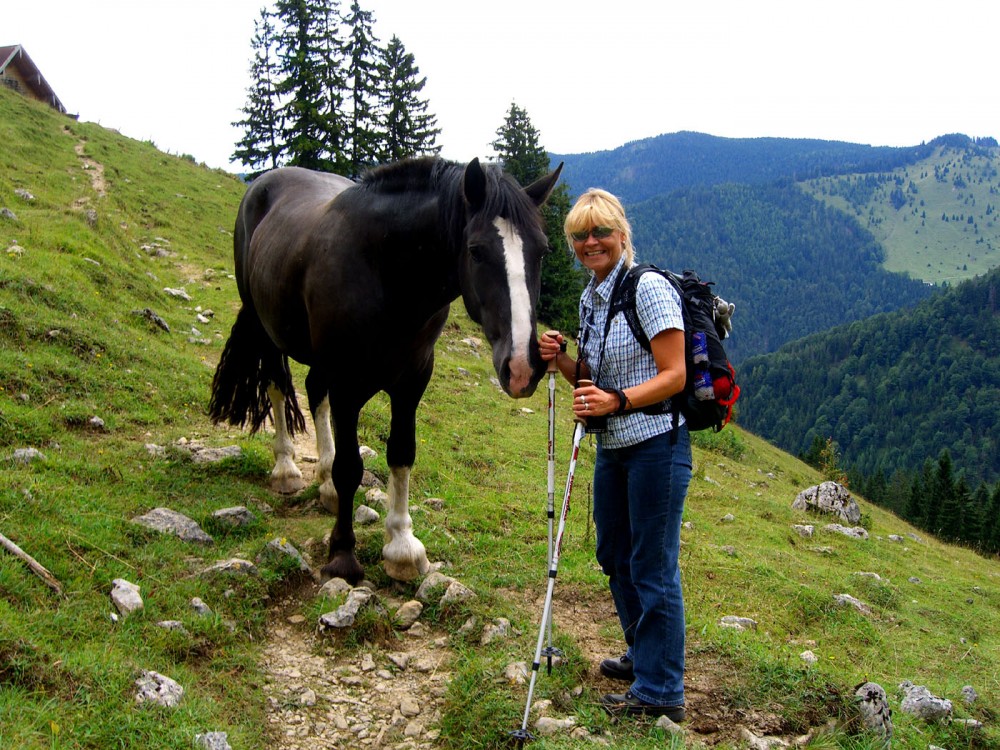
260, 148
408, 129
975, 516
520, 153
308, 60
362, 56
942, 489
991, 523
953, 508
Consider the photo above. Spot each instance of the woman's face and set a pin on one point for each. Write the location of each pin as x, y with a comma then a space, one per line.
599, 250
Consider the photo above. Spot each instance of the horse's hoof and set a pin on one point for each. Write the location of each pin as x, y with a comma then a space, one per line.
287, 485
344, 566
407, 571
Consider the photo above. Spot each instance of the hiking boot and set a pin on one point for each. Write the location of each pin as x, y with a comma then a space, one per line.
629, 705
618, 669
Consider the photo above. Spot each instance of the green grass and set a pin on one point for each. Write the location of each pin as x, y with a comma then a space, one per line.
71, 348
951, 204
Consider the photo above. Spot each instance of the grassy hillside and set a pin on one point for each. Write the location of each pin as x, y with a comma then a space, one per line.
936, 218
75, 344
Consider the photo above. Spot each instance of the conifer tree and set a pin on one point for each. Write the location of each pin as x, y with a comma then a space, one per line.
519, 152
260, 148
975, 516
991, 523
362, 56
942, 489
308, 59
408, 129
953, 508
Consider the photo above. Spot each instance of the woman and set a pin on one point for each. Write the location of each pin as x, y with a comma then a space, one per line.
643, 464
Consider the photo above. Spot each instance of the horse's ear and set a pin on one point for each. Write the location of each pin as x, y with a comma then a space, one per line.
541, 188
474, 185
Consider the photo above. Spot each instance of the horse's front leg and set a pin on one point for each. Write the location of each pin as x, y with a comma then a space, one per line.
403, 555
345, 478
285, 476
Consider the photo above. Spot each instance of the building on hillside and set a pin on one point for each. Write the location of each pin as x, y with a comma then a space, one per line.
18, 72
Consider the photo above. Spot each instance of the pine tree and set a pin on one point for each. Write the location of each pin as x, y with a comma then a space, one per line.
407, 126
953, 510
361, 53
942, 489
915, 502
308, 58
519, 152
991, 523
260, 148
975, 516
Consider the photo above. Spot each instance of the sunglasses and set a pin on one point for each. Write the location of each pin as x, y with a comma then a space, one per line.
599, 233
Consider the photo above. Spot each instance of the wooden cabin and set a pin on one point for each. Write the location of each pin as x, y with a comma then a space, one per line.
18, 72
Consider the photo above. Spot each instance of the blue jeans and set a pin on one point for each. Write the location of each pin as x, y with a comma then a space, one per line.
639, 496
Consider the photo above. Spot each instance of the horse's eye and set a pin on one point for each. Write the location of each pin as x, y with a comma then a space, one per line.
478, 253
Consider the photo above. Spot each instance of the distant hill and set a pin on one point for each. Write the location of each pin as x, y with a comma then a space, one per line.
892, 390
655, 166
937, 217
792, 265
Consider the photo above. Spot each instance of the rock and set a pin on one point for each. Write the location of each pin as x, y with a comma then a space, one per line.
920, 702
232, 566
335, 587
24, 194
203, 455
738, 623
365, 452
855, 532
408, 614
761, 743
409, 707
455, 593
125, 596
547, 726
873, 704
6, 213
728, 518
158, 689
499, 629
238, 516
971, 724
365, 516
175, 625
668, 726
343, 616
808, 657
432, 581
27, 455
308, 697
803, 530
969, 695
200, 608
168, 521
179, 293
212, 741
279, 552
831, 498
896, 538
846, 600
376, 496
516, 673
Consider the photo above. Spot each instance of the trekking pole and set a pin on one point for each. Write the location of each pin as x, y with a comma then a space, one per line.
550, 650
522, 734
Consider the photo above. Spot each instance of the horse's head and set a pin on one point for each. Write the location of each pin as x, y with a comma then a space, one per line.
500, 269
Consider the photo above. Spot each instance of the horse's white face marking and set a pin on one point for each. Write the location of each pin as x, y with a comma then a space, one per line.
520, 304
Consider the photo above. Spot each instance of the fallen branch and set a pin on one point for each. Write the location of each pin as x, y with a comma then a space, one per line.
36, 567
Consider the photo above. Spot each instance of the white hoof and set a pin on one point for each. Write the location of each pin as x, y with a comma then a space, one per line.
405, 558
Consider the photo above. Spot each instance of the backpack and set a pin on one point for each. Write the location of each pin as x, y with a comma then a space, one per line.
710, 389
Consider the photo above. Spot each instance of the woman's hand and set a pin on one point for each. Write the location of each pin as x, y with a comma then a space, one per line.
591, 401
550, 344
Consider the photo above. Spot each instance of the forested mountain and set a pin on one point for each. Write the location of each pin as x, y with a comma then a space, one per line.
893, 390
655, 166
792, 265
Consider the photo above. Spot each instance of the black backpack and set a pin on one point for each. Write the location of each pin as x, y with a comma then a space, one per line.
705, 402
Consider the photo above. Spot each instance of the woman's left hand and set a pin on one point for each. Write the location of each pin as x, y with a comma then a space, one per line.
591, 401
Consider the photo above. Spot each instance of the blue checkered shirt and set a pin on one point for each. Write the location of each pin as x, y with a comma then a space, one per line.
621, 360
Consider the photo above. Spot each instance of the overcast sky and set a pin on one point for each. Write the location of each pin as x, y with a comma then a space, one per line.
591, 75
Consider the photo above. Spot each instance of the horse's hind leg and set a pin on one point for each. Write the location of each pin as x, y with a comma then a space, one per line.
285, 476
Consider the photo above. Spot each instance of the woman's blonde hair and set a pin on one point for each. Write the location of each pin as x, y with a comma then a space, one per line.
597, 208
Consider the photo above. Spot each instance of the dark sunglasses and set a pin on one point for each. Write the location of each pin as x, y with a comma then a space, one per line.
599, 233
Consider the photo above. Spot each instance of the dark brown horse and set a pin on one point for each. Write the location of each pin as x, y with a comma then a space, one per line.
354, 280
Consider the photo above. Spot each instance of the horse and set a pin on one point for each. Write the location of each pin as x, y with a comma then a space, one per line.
355, 280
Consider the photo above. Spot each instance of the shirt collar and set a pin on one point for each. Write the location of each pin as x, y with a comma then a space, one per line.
604, 288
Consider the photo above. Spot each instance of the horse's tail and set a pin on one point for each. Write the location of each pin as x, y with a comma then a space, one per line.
249, 364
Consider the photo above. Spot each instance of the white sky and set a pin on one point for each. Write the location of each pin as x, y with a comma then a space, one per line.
591, 75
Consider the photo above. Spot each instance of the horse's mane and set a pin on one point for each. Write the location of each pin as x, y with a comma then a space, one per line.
504, 197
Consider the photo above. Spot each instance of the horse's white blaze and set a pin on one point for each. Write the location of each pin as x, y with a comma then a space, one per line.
521, 331
403, 555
